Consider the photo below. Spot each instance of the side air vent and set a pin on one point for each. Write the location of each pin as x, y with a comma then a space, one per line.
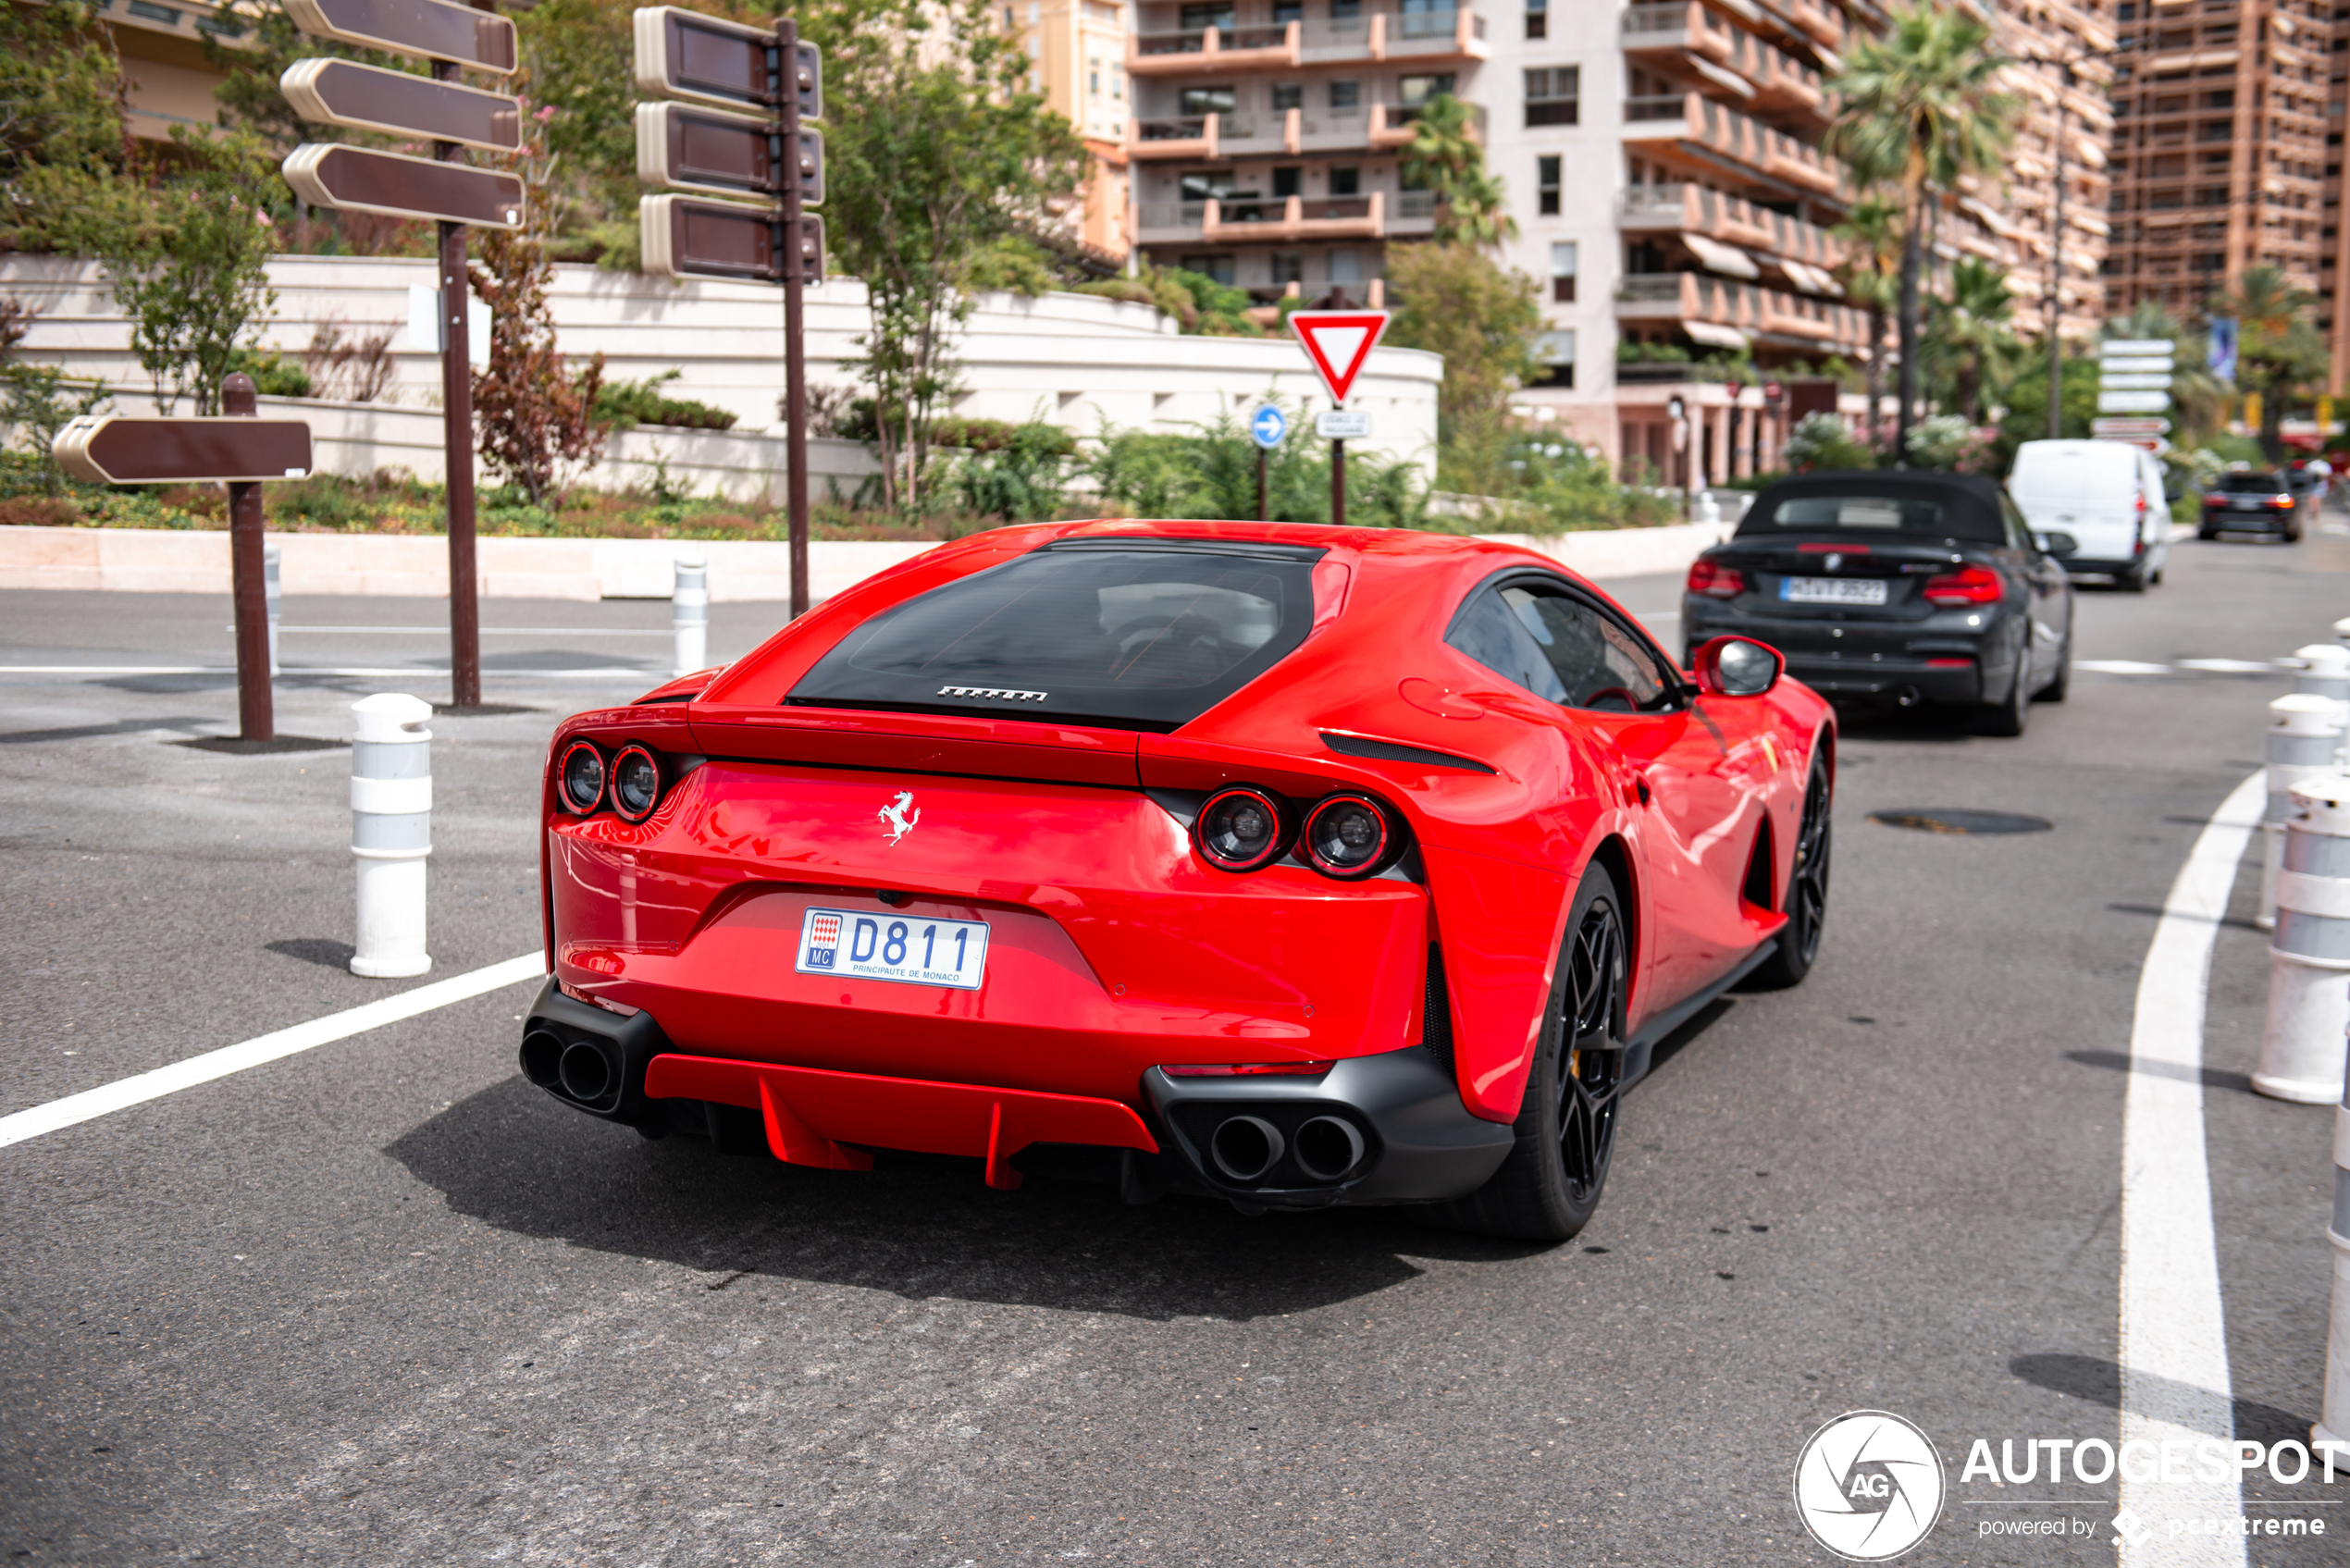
1436, 1010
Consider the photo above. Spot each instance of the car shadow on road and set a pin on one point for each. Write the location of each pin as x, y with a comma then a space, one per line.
2120, 1061
2099, 1382
914, 1226
1925, 724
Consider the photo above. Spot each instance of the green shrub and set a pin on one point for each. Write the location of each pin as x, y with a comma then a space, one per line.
623, 403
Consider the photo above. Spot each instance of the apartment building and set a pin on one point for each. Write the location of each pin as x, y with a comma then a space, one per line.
2224, 153
2066, 63
1077, 60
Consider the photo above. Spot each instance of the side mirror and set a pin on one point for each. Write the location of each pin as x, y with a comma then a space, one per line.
2054, 542
1737, 667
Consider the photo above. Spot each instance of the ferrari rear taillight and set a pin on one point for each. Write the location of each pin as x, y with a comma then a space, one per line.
582, 786
1242, 829
1969, 585
1347, 836
1714, 580
636, 784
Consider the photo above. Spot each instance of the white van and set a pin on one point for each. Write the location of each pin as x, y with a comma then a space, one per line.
2107, 495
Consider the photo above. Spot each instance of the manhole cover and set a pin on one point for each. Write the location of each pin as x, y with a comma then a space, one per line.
1942, 820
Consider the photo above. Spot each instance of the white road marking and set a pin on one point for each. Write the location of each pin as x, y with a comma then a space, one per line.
2120, 667
2173, 1351
137, 1090
2237, 666
399, 673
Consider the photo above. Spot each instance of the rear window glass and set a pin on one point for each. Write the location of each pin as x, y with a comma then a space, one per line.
1875, 513
1861, 507
2252, 484
1134, 637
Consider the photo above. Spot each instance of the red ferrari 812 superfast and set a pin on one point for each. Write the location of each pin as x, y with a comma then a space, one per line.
1286, 865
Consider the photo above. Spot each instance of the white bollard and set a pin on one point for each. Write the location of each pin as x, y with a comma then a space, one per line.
2325, 672
689, 613
2305, 732
2341, 631
392, 832
2303, 1048
2334, 1413
270, 554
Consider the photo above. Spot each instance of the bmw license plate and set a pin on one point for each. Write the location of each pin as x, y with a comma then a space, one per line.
912, 952
1832, 590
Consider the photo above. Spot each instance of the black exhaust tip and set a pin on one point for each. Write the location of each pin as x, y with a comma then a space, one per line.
1245, 1148
543, 1054
1329, 1148
586, 1077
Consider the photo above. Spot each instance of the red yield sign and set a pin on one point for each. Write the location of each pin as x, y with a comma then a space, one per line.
184, 451
1339, 342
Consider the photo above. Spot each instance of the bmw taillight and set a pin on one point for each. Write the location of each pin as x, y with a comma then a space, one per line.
1714, 580
1348, 836
636, 784
1240, 829
2281, 502
581, 785
1969, 585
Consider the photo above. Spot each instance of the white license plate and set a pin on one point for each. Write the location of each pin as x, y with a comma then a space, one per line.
1832, 590
918, 951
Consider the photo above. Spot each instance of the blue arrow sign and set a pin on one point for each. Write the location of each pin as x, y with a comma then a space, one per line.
1268, 427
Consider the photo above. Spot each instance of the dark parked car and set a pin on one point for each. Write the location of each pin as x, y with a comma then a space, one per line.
2254, 503
1912, 587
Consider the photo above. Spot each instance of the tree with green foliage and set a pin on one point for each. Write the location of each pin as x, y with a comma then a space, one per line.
1456, 300
1973, 342
1445, 158
1870, 272
947, 152
2026, 418
1211, 472
66, 154
1919, 108
2279, 350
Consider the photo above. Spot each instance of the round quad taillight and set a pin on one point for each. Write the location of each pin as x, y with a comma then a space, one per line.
636, 784
1240, 829
1348, 836
582, 782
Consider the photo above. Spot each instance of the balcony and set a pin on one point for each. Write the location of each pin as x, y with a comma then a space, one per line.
1689, 296
1672, 30
1168, 222
1335, 131
1446, 34
1391, 124
1222, 49
1689, 209
1194, 139
1284, 219
1685, 117
1414, 214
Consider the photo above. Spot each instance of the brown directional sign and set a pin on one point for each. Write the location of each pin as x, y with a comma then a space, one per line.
698, 149
430, 30
181, 452
345, 93
356, 180
688, 56
685, 238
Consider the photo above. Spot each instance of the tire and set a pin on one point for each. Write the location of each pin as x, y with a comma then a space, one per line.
2058, 690
2206, 535
2157, 578
1807, 891
2008, 718
2131, 582
1549, 1183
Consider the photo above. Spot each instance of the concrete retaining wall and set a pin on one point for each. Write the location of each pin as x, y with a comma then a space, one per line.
416, 565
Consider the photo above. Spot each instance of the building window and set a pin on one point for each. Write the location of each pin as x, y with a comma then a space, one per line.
1554, 96
2126, 12
1094, 83
1289, 182
1346, 267
1288, 95
1288, 268
1346, 95
1546, 185
1347, 182
1346, 10
1200, 101
1538, 18
1554, 351
1416, 91
1217, 14
1217, 267
1287, 11
1563, 272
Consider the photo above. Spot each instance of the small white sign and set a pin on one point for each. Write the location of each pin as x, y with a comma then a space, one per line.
2133, 403
424, 324
2128, 427
1342, 424
2150, 382
2113, 362
2136, 346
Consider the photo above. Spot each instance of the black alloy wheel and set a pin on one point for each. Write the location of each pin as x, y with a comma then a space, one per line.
2008, 718
2059, 688
1549, 1184
1806, 890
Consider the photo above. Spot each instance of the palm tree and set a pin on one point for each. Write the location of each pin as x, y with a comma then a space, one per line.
1919, 110
1971, 331
1872, 232
1445, 157
2278, 347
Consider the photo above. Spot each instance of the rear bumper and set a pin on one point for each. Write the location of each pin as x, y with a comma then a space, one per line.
1413, 1140
2102, 566
1889, 678
2250, 522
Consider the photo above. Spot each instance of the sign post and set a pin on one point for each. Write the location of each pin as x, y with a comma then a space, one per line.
682, 54
240, 450
1266, 428
1338, 343
453, 39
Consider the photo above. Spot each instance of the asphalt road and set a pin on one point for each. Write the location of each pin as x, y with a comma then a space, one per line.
382, 1302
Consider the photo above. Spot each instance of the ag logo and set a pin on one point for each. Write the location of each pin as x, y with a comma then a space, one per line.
1868, 1486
